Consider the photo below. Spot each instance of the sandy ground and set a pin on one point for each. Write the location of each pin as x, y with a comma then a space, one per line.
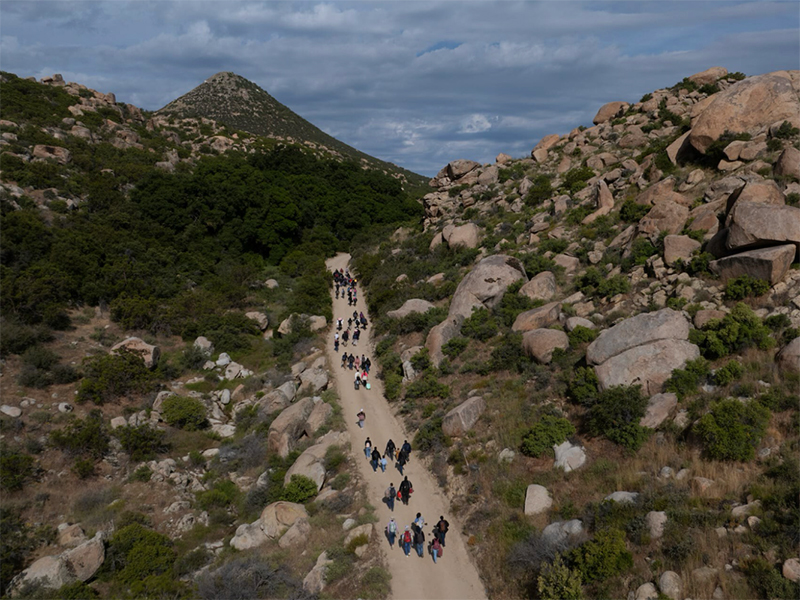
455, 575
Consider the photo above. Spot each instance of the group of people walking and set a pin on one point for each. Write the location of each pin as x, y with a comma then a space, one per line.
414, 536
345, 285
400, 456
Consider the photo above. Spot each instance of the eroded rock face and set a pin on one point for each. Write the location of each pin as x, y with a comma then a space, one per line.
288, 427
641, 329
461, 419
150, 354
750, 104
769, 264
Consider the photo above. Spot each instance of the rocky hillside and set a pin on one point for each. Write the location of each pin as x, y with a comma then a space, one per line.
599, 347
240, 104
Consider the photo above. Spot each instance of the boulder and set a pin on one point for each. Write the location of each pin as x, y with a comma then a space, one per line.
751, 104
788, 164
660, 192
754, 224
769, 264
640, 329
150, 354
464, 236
260, 318
414, 305
314, 582
313, 380
319, 415
271, 284
537, 500
656, 520
569, 457
503, 158
205, 345
605, 202
649, 365
461, 419
288, 427
458, 168
11, 411
745, 509
709, 76
569, 263
539, 155
791, 569
279, 516
309, 466
666, 216
547, 142
679, 247
249, 535
677, 149
646, 591
440, 335
788, 358
560, 532
659, 407
573, 322
489, 176
704, 316
296, 535
610, 111
70, 535
537, 318
317, 322
541, 287
622, 497
56, 153
50, 572
762, 192
670, 585
540, 344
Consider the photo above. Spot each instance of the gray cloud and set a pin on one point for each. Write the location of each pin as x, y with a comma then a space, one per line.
416, 83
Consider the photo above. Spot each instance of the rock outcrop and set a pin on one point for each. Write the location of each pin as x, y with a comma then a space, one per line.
150, 354
461, 419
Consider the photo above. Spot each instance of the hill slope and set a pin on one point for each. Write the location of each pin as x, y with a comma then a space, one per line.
239, 103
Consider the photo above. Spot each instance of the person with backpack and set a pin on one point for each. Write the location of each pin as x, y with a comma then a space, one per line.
357, 380
390, 448
391, 531
367, 446
376, 458
442, 528
401, 461
345, 337
406, 540
344, 360
436, 549
391, 496
407, 449
419, 540
383, 463
405, 490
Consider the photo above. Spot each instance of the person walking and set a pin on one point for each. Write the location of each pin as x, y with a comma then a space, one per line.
442, 527
345, 337
419, 540
391, 496
401, 461
361, 416
390, 448
376, 458
391, 532
367, 447
419, 520
436, 549
405, 490
344, 360
407, 449
383, 463
407, 539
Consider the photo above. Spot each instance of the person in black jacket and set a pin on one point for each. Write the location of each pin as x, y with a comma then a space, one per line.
390, 448
405, 490
419, 540
376, 457
442, 527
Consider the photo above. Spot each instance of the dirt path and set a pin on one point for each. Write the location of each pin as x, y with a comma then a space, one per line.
454, 576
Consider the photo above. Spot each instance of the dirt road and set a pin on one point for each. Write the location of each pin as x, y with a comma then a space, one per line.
455, 575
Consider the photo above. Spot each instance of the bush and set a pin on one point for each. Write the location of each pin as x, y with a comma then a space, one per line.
549, 431
427, 386
83, 468
453, 348
602, 557
583, 387
581, 335
540, 191
221, 495
421, 361
15, 468
745, 286
112, 376
142, 474
767, 581
733, 429
786, 131
684, 382
739, 329
136, 552
616, 415
430, 436
88, 437
17, 337
184, 413
594, 282
300, 489
558, 582
575, 179
248, 577
77, 590
480, 325
142, 442
728, 374
507, 356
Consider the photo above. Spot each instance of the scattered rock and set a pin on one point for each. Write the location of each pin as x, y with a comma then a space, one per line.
249, 535
671, 585
537, 318
271, 284
12, 411
701, 484
569, 457
506, 455
559, 532
540, 344
260, 318
646, 591
622, 497
656, 520
279, 516
541, 287
537, 500
791, 569
314, 582
296, 535
789, 357
461, 419
659, 407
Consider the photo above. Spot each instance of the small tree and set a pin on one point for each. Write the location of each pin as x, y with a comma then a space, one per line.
617, 414
184, 413
733, 429
549, 431
558, 582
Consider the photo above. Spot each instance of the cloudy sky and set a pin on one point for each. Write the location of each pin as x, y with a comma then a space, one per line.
415, 83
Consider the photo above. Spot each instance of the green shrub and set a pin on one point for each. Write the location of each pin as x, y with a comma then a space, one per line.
340, 481
777, 322
376, 583
766, 579
430, 436
142, 474
15, 468
786, 131
77, 590
421, 360
739, 329
184, 413
581, 335
728, 374
548, 432
631, 212
392, 385
18, 337
536, 263
136, 552
480, 325
113, 376
602, 557
141, 442
745, 286
733, 429
413, 322
223, 494
88, 437
83, 468
593, 282
453, 348
507, 355
684, 382
558, 582
583, 387
427, 386
540, 191
575, 179
616, 415
300, 489
642, 249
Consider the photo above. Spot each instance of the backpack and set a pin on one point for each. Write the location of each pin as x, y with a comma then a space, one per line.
407, 537
392, 527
